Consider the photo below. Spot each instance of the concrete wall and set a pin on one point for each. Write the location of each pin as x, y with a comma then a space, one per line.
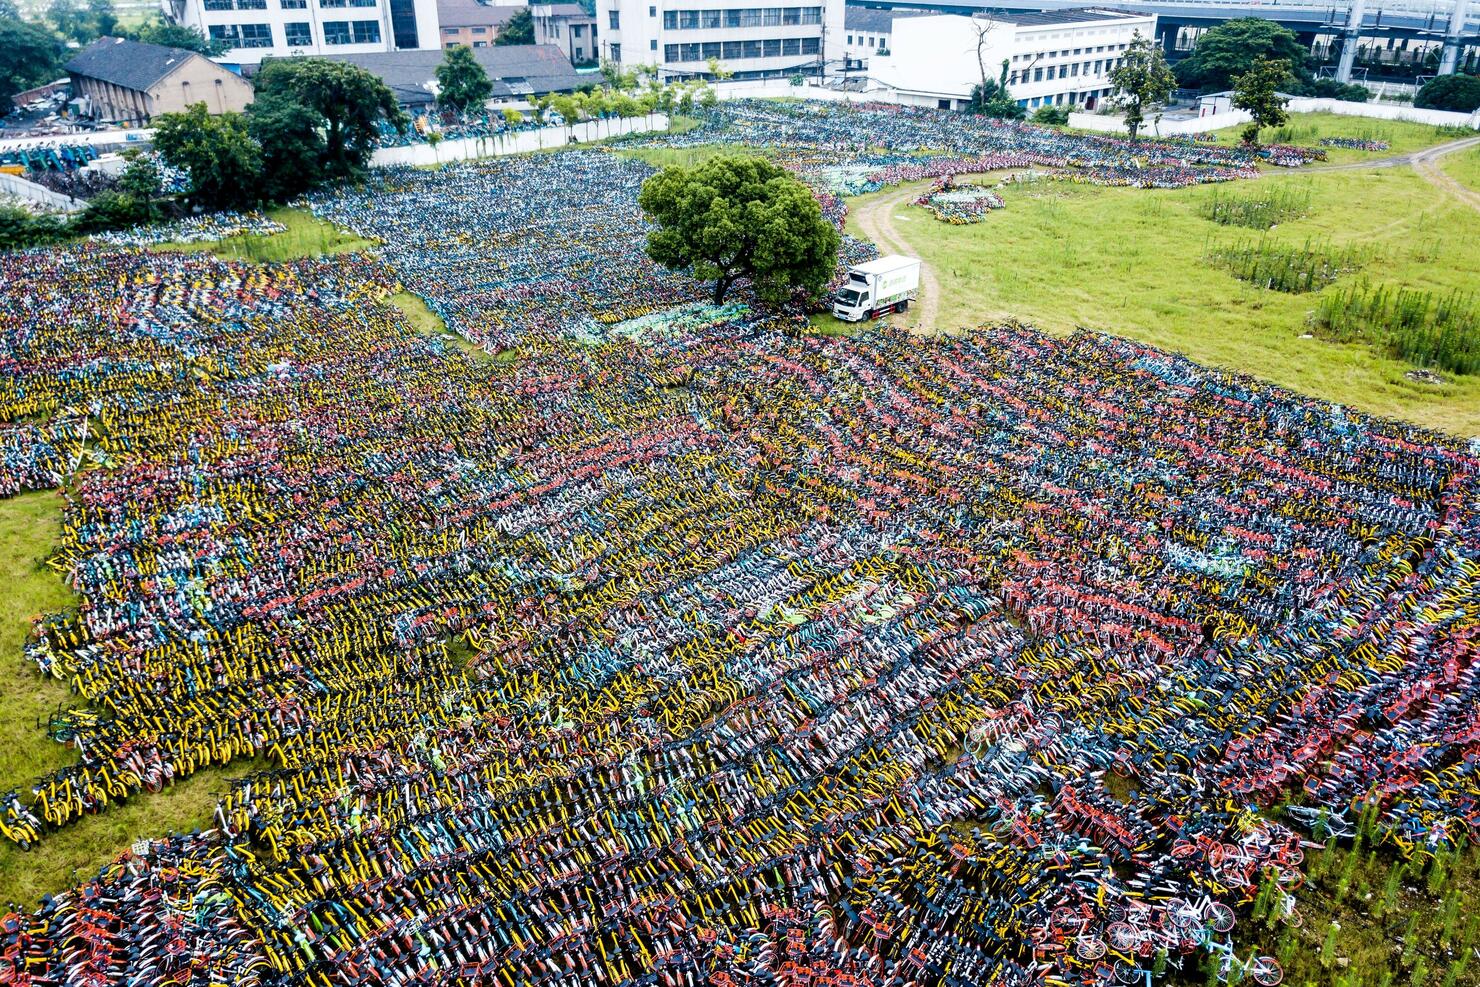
1217, 121
468, 148
200, 80
24, 188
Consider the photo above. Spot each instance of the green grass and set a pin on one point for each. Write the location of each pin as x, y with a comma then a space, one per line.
1464, 167
306, 236
1131, 262
825, 324
1308, 128
423, 319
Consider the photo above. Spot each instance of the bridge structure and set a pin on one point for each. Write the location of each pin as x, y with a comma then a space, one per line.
1353, 35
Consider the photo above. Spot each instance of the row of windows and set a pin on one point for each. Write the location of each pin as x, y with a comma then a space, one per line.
1066, 53
880, 42
699, 20
1059, 99
728, 50
1064, 71
297, 34
236, 5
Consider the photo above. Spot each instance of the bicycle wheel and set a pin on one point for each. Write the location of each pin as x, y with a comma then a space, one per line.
1122, 935
1266, 971
1220, 916
1089, 947
1127, 973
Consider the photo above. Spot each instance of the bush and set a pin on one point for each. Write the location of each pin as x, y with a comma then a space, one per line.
1055, 116
113, 211
1460, 93
1414, 325
19, 229
1331, 89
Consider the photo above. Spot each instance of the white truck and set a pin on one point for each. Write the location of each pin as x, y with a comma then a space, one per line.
878, 287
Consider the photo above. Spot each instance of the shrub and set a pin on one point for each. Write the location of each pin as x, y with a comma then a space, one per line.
1460, 93
1413, 325
1258, 212
1279, 268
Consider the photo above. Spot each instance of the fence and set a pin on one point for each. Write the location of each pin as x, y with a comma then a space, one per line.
24, 188
468, 148
1300, 104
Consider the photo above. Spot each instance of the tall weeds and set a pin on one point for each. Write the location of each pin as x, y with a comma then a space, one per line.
1430, 330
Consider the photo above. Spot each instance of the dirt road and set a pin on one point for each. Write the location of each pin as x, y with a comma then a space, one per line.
876, 219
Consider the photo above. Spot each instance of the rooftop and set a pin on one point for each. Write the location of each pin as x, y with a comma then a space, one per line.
471, 13
874, 21
127, 64
1072, 15
515, 70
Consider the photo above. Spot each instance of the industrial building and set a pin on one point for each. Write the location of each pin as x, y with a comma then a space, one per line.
129, 82
681, 37
568, 27
1059, 57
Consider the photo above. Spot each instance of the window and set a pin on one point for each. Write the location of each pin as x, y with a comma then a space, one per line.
336, 32
217, 4
480, 44
450, 32
652, 11
652, 44
670, 53
670, 20
771, 16
616, 53
614, 19
711, 19
476, 30
298, 34
882, 39
243, 35
811, 46
791, 15
850, 39
1037, 75
771, 48
708, 50
791, 46
293, 4
333, 3
578, 30
251, 5
366, 32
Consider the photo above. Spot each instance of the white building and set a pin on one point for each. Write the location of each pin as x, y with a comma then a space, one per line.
257, 29
682, 36
866, 33
1058, 57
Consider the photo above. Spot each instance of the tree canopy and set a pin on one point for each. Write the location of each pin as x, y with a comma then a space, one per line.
157, 32
1257, 91
222, 160
1460, 93
350, 101
518, 31
30, 55
741, 217
290, 136
461, 80
1231, 49
1142, 80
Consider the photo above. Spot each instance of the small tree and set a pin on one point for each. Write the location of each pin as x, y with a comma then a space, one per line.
733, 217
351, 102
1141, 80
718, 72
140, 178
1460, 93
462, 81
291, 137
993, 99
222, 160
157, 32
519, 30
1257, 91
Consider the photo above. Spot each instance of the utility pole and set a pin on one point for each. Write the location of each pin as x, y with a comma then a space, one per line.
1349, 38
1449, 61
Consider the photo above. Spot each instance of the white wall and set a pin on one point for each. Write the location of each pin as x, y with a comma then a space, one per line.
468, 148
1217, 121
24, 188
939, 55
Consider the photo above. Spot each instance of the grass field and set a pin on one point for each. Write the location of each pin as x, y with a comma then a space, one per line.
1131, 262
1308, 128
306, 236
1464, 167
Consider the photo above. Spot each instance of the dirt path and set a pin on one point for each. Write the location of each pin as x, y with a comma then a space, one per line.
1426, 163
876, 220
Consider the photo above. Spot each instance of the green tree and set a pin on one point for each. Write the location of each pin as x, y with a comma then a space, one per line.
140, 179
615, 77
157, 32
291, 138
733, 217
991, 98
351, 102
19, 229
217, 152
103, 17
71, 21
1054, 116
1231, 49
519, 30
114, 210
29, 56
462, 81
1460, 93
1142, 80
1257, 91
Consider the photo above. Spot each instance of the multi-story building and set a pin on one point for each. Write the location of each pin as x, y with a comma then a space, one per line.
257, 29
568, 27
1057, 57
682, 37
468, 22
866, 33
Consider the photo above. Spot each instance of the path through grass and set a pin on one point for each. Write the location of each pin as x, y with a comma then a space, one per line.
1403, 137
1131, 262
